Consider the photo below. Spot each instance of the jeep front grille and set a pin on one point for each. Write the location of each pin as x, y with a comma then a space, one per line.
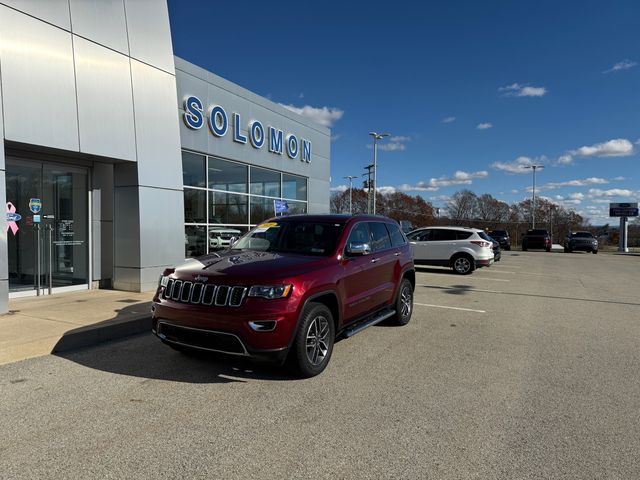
204, 294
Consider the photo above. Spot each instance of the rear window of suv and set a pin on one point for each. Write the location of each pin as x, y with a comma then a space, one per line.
537, 232
397, 238
582, 235
380, 236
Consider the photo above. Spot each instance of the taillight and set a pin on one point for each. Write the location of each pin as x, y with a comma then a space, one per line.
482, 243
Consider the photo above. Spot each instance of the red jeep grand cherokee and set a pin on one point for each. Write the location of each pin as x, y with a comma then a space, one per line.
288, 288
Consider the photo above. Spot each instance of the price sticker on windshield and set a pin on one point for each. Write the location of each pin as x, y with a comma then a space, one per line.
265, 226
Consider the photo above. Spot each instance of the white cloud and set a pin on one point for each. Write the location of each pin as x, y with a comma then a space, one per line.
434, 184
619, 179
385, 190
484, 126
623, 65
614, 192
576, 196
440, 198
571, 183
448, 119
564, 160
618, 147
515, 190
518, 90
325, 116
340, 188
516, 166
395, 144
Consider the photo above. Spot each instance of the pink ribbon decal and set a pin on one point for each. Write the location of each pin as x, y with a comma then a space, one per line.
11, 224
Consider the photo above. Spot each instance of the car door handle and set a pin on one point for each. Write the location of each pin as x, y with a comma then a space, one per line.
374, 260
397, 254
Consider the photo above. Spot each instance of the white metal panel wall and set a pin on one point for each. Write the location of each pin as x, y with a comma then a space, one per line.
102, 21
105, 101
149, 34
52, 11
38, 82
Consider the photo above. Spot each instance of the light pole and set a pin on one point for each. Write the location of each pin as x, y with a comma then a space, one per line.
533, 208
350, 178
376, 137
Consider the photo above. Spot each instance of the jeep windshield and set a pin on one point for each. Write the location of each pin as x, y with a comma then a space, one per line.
293, 236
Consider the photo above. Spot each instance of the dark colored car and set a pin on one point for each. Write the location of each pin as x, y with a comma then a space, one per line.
502, 237
536, 238
497, 254
581, 241
288, 288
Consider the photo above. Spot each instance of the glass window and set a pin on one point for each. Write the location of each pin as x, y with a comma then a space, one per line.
228, 176
195, 206
294, 187
295, 236
380, 236
228, 208
296, 207
261, 209
220, 236
359, 234
265, 182
419, 236
439, 235
195, 241
463, 234
397, 238
193, 173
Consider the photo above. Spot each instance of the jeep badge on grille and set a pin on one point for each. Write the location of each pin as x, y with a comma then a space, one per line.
200, 278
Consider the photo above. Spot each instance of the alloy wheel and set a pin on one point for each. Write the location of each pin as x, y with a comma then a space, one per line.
462, 265
406, 302
317, 336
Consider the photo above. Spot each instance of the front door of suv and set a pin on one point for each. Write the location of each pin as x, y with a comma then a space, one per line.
381, 267
358, 285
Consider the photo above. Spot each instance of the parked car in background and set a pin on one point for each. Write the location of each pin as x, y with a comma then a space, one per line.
220, 237
497, 254
580, 241
536, 238
502, 237
460, 248
288, 288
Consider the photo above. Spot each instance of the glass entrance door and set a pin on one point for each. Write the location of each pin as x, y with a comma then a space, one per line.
53, 236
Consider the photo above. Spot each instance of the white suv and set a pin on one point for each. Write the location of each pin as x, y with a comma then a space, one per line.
461, 248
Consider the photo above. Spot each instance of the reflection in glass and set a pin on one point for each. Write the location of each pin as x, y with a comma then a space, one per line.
228, 208
296, 207
265, 182
228, 176
261, 209
195, 241
294, 187
195, 206
193, 173
220, 236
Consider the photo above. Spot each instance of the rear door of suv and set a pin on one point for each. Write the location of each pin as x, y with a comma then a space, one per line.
382, 264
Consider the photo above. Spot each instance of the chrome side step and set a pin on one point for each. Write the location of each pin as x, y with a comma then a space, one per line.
379, 317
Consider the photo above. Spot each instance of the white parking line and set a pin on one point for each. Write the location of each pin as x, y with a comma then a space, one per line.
466, 276
450, 308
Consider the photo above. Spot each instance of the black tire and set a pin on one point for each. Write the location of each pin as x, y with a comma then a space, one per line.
508, 248
524, 247
594, 251
404, 303
566, 250
462, 264
313, 343
548, 249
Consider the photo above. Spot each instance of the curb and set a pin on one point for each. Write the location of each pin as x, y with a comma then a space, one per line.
102, 332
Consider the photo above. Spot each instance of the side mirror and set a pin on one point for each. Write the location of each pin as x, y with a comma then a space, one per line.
233, 241
357, 249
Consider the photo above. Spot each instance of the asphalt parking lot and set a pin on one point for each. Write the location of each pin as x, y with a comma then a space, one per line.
527, 369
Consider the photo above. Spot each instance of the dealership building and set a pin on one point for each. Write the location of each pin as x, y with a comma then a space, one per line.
120, 159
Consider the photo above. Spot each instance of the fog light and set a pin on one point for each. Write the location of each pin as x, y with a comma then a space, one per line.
263, 325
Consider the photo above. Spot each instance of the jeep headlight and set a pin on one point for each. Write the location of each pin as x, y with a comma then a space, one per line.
162, 281
270, 291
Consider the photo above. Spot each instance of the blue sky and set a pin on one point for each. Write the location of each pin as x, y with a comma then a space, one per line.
469, 90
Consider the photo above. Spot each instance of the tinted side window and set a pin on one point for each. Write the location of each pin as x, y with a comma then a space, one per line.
380, 236
359, 234
397, 238
419, 236
443, 235
462, 234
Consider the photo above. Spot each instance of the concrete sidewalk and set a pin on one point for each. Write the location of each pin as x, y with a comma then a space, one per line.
37, 326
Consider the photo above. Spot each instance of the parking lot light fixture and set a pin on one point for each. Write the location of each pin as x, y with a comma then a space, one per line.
376, 137
350, 178
533, 198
